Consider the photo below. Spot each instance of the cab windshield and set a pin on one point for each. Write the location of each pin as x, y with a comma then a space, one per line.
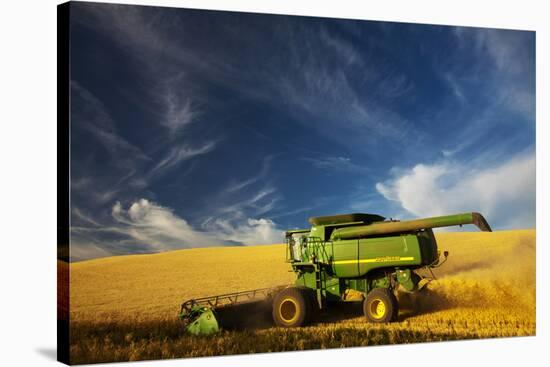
296, 243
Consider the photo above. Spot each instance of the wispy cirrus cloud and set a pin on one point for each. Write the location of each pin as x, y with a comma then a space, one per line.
489, 103
177, 102
504, 68
336, 164
112, 166
324, 96
107, 150
84, 247
336, 108
146, 35
181, 153
346, 50
93, 116
259, 203
325, 80
455, 86
83, 217
178, 113
237, 185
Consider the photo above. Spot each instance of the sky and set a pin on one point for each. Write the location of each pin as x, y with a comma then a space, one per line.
193, 128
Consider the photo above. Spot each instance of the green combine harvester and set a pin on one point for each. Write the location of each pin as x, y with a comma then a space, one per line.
342, 258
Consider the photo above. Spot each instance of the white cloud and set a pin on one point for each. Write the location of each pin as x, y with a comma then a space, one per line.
252, 232
146, 227
157, 227
505, 194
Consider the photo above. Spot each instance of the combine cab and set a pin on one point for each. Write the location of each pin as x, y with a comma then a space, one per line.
343, 258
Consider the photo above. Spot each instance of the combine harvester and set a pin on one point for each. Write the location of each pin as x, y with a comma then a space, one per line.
342, 258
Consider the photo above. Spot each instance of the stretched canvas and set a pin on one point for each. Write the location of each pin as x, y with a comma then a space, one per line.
234, 183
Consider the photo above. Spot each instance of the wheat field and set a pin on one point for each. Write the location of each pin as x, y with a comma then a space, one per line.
125, 307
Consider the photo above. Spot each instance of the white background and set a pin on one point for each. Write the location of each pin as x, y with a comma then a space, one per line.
28, 182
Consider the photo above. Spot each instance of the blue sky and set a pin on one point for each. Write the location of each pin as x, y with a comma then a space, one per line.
198, 128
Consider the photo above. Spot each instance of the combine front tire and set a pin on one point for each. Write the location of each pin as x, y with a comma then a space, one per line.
291, 307
380, 305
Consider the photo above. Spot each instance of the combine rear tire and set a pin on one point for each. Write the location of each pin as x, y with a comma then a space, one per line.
291, 307
380, 305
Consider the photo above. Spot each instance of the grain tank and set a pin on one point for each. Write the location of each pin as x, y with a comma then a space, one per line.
360, 258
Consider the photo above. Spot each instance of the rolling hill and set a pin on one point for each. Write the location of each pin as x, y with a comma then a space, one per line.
125, 307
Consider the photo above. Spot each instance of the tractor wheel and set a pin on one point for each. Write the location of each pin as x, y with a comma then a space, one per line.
380, 305
291, 307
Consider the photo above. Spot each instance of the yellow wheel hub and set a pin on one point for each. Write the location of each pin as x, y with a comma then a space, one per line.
288, 310
377, 308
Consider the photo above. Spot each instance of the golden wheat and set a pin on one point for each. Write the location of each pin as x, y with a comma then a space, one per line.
124, 308
153, 286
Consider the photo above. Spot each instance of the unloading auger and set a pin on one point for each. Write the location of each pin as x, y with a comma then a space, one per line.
343, 258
